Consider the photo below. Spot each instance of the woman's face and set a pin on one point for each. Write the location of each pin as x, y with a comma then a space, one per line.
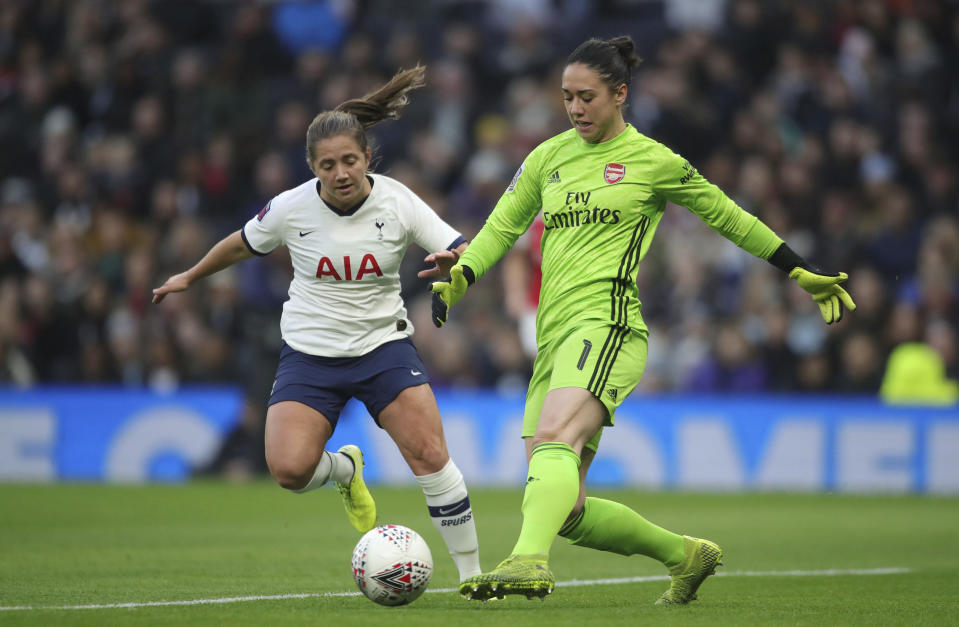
341, 166
594, 110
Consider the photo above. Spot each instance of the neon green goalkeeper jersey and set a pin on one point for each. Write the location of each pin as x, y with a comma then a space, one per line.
601, 205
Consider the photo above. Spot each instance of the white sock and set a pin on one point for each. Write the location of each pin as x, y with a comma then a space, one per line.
335, 466
452, 515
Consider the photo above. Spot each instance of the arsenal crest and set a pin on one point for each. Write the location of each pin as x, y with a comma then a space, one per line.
614, 172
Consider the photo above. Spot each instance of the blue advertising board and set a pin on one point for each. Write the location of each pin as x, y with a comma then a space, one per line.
794, 443
718, 443
112, 434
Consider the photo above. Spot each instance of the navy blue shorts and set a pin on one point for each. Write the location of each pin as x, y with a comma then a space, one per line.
327, 383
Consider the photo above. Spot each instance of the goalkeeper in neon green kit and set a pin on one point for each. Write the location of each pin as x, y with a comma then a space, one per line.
602, 188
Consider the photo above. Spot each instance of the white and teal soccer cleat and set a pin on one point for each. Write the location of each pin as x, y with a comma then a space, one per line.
359, 503
702, 558
528, 575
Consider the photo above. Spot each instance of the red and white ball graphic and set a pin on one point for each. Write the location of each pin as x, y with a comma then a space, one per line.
392, 565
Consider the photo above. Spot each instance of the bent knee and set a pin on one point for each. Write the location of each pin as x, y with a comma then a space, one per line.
548, 430
427, 457
574, 436
290, 476
544, 436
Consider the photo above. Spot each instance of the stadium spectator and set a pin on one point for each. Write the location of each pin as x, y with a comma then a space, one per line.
345, 329
730, 367
914, 377
602, 188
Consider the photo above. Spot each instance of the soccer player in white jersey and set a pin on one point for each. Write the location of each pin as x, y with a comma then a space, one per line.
345, 329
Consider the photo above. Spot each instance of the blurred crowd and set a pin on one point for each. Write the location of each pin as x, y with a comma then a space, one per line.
135, 134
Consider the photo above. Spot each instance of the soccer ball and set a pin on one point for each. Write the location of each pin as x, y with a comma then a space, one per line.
392, 565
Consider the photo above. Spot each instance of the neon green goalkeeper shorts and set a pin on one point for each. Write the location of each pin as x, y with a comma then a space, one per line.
606, 360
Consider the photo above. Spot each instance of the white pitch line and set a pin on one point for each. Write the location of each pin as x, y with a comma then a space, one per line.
834, 572
743, 573
258, 597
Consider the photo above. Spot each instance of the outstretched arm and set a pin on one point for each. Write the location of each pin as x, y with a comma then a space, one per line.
680, 182
224, 253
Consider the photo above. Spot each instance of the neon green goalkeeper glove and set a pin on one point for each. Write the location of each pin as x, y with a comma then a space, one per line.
823, 287
447, 293
825, 291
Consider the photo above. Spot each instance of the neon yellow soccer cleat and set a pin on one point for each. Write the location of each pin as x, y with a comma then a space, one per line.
517, 574
360, 507
702, 558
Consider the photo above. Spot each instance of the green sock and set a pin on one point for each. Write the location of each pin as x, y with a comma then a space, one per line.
552, 487
610, 526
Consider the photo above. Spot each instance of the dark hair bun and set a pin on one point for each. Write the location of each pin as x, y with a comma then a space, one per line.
614, 59
627, 49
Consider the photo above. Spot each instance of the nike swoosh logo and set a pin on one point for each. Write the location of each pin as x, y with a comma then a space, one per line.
444, 512
302, 234
415, 373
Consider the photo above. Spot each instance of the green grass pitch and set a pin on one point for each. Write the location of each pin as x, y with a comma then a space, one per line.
83, 545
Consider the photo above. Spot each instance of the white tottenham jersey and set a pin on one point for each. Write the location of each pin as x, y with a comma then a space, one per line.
345, 294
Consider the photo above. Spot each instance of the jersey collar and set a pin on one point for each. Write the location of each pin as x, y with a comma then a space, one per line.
615, 141
351, 210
